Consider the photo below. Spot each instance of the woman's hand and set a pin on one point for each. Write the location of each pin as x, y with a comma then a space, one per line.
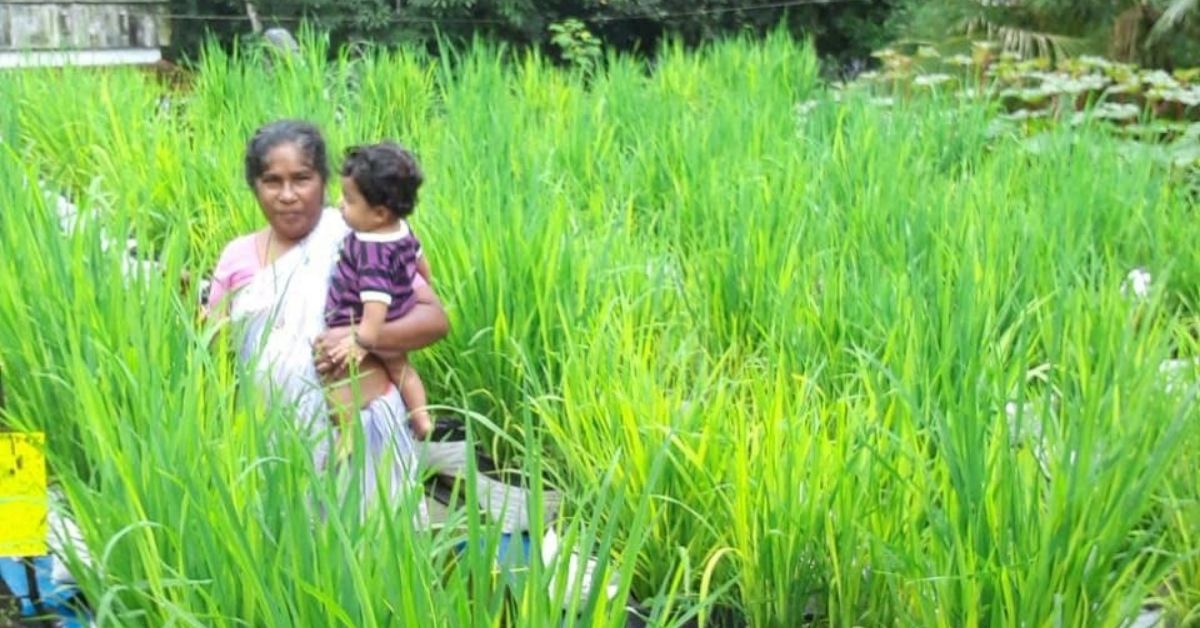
324, 346
424, 325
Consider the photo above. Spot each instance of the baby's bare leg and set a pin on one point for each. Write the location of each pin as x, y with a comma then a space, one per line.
412, 390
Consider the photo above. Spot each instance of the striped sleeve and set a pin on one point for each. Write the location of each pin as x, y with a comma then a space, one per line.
374, 274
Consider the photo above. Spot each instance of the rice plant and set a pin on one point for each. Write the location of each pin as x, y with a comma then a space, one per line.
857, 364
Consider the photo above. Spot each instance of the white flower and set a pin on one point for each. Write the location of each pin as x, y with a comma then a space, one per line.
1025, 114
1186, 96
1060, 83
1109, 111
1173, 372
1158, 78
1096, 62
1123, 88
1138, 283
929, 80
1117, 111
805, 107
998, 127
67, 212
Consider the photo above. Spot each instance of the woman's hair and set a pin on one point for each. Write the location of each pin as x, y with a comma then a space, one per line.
386, 174
304, 135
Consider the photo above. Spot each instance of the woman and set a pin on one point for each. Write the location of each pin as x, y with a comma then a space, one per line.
273, 283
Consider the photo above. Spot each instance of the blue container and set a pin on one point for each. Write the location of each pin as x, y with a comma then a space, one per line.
57, 603
512, 551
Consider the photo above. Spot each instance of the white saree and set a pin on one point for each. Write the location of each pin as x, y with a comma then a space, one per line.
279, 314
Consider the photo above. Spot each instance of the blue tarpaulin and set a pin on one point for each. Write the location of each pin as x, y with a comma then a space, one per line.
42, 598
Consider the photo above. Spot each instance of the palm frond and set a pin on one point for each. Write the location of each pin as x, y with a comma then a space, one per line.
1172, 16
1024, 42
1027, 28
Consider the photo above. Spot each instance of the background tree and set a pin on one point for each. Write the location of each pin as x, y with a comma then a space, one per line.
842, 29
1149, 32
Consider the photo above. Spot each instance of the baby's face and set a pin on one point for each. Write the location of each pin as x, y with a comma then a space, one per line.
357, 213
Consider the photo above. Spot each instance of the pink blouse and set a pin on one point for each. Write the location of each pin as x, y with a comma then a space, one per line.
238, 264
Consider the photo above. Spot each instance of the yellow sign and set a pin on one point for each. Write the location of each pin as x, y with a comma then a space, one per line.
23, 502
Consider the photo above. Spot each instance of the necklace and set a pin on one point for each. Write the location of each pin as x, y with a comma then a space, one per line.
279, 291
269, 264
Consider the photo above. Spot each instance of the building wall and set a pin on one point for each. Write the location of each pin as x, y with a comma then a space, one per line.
84, 31
26, 25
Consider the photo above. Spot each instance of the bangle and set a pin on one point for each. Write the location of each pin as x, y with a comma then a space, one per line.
359, 341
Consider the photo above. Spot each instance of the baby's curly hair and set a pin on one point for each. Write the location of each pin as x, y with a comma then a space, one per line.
386, 174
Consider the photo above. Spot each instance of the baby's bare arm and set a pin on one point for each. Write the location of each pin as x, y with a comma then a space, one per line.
424, 325
371, 325
354, 347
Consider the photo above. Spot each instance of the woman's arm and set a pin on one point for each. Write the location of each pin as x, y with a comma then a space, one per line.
424, 325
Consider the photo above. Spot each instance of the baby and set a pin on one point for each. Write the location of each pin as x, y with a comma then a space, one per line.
380, 259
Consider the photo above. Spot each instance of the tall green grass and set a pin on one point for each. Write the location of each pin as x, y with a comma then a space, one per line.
766, 355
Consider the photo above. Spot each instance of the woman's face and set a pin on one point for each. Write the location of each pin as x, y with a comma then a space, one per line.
290, 192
